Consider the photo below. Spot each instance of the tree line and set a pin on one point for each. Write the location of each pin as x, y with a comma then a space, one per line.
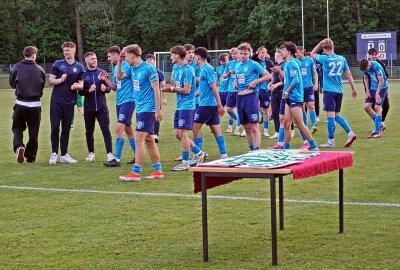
158, 25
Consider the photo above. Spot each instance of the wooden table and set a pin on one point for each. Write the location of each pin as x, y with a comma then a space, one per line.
205, 174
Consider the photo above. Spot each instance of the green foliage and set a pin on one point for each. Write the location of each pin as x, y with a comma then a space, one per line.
159, 24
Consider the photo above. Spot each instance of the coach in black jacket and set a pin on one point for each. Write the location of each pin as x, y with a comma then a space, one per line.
28, 79
94, 90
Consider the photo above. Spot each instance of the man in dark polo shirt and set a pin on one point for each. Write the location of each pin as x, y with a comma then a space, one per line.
28, 79
67, 77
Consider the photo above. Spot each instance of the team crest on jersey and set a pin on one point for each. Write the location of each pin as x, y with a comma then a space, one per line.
121, 117
139, 125
254, 117
75, 70
241, 78
181, 122
136, 85
293, 72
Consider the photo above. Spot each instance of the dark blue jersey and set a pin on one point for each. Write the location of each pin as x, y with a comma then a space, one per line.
62, 92
96, 100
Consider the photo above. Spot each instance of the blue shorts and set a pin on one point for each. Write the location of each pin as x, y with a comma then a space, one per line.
231, 99
247, 108
290, 103
207, 115
332, 101
145, 122
223, 96
372, 100
309, 94
265, 98
183, 119
125, 112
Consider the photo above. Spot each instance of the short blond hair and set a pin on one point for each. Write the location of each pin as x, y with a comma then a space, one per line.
244, 47
134, 48
327, 44
232, 50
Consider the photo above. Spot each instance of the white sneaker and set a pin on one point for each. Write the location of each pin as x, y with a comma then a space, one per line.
53, 159
292, 133
67, 159
237, 132
276, 135
110, 156
201, 157
266, 134
181, 167
223, 156
91, 157
243, 134
229, 129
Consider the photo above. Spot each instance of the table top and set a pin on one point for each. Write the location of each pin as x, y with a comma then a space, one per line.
239, 171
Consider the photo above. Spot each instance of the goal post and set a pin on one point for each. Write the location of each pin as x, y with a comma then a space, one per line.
164, 63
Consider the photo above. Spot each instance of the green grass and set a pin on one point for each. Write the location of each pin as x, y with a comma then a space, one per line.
64, 230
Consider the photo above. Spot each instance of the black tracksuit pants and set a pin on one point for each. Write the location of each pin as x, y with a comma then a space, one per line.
23, 117
103, 118
60, 113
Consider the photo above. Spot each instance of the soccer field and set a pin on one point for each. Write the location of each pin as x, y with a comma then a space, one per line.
80, 216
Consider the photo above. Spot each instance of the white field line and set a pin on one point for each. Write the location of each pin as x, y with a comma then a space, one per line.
160, 194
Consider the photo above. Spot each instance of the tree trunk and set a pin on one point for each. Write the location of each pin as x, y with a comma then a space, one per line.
78, 32
358, 7
216, 42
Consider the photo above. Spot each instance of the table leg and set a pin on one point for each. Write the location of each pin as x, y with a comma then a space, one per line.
204, 216
281, 197
341, 223
273, 221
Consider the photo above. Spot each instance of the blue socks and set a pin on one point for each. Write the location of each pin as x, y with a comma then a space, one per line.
343, 123
378, 123
156, 167
185, 155
313, 118
132, 144
233, 115
305, 121
221, 144
331, 125
230, 122
137, 169
313, 144
286, 146
119, 145
251, 147
266, 124
199, 142
281, 136
195, 150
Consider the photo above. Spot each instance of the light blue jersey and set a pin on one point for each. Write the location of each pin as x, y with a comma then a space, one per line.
246, 73
263, 85
293, 77
207, 77
196, 69
184, 75
333, 67
142, 77
307, 67
223, 83
231, 65
124, 89
375, 71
